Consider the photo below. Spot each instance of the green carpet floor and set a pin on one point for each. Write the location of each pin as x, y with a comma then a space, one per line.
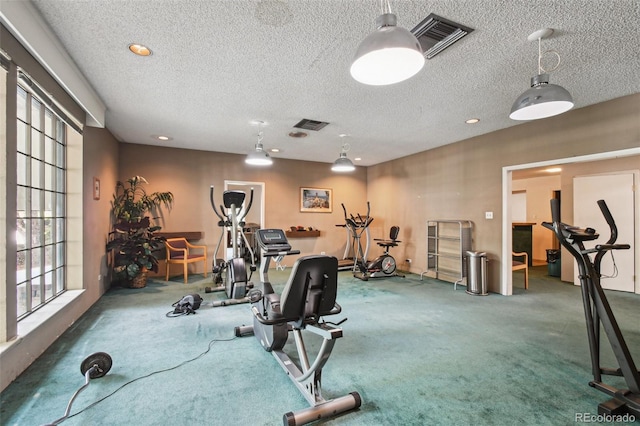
418, 352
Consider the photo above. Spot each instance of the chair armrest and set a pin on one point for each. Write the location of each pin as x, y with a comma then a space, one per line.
192, 246
171, 249
521, 254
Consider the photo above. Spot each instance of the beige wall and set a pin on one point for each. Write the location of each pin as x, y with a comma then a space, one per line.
189, 175
101, 162
464, 180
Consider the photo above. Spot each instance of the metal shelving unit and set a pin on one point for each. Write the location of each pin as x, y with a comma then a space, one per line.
447, 244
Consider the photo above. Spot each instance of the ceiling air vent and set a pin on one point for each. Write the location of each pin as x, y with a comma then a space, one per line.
307, 124
436, 34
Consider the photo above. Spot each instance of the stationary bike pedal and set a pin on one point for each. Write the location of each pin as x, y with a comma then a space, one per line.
254, 295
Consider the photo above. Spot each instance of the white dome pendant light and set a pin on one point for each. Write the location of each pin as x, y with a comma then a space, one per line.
389, 55
259, 157
542, 100
343, 164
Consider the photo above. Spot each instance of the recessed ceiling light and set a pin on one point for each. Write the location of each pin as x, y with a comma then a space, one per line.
140, 49
472, 121
275, 150
357, 159
162, 137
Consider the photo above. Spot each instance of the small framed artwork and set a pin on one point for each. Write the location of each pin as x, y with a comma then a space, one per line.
316, 200
96, 188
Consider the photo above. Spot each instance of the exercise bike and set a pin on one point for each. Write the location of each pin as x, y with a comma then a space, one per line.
237, 283
382, 266
598, 312
309, 295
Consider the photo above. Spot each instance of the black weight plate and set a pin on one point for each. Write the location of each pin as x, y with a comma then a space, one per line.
100, 359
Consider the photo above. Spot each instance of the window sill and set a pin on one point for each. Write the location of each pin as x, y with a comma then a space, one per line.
42, 316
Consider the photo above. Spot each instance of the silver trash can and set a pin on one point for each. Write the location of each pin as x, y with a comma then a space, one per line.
477, 273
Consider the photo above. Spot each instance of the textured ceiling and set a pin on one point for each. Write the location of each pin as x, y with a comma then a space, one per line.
218, 66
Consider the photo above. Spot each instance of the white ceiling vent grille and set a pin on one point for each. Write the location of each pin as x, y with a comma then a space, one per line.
307, 124
436, 34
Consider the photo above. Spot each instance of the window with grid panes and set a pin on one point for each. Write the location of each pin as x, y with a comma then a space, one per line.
41, 200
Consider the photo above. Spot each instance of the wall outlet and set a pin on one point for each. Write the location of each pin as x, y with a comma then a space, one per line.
408, 260
322, 253
488, 215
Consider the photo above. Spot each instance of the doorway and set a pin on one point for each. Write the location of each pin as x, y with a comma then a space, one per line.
256, 215
506, 282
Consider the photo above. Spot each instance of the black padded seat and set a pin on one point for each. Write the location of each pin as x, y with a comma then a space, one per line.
311, 289
392, 241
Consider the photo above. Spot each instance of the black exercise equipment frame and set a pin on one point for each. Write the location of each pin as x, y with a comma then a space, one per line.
598, 311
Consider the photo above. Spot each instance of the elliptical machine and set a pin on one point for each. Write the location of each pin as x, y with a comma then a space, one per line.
310, 294
236, 283
598, 312
357, 227
383, 265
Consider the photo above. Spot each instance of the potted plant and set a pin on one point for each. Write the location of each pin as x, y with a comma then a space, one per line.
134, 240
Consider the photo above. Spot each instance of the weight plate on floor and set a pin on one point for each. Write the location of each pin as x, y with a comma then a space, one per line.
101, 359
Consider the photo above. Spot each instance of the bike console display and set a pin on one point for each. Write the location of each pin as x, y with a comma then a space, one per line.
273, 240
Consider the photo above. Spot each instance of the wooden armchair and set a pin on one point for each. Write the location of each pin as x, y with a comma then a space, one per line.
517, 265
179, 251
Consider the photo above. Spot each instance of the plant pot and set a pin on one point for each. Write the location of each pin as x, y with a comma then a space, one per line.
140, 280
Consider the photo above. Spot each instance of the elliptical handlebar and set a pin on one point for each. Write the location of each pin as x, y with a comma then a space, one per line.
223, 217
609, 218
555, 210
566, 232
213, 204
246, 211
360, 221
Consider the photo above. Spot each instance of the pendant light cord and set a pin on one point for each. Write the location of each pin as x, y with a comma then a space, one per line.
541, 70
386, 7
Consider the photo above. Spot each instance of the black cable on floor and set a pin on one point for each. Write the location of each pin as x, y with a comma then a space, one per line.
153, 373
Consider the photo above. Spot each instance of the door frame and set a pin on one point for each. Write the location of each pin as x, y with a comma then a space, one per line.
506, 281
262, 199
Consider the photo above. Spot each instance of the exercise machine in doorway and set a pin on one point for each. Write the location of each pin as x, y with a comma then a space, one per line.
232, 214
598, 312
308, 296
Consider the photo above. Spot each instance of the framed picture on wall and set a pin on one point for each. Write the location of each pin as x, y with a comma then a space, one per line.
316, 200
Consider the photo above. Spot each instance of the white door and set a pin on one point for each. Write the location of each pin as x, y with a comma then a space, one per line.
617, 191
